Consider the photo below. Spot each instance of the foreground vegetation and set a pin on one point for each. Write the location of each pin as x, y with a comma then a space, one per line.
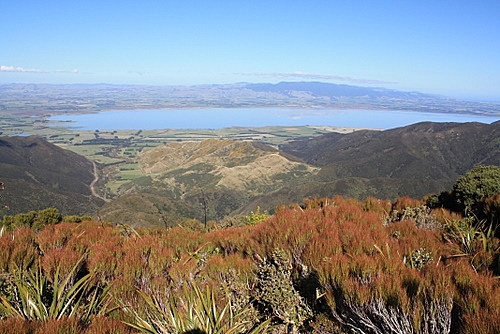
331, 265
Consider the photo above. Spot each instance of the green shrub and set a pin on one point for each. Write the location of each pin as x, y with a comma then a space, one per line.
24, 219
275, 294
476, 194
33, 219
255, 218
45, 217
479, 183
32, 295
418, 258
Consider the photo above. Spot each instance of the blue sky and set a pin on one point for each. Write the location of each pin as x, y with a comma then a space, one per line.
432, 46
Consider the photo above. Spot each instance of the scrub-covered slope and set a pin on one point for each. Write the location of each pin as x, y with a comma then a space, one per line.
37, 175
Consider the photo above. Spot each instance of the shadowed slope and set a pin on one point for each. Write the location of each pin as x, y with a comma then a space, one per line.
425, 153
38, 174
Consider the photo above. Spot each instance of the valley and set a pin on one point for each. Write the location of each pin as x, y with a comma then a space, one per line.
163, 177
119, 157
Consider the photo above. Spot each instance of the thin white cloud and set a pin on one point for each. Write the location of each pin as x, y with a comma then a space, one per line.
67, 71
7, 68
315, 76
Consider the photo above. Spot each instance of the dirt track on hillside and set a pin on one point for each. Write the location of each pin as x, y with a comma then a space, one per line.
93, 183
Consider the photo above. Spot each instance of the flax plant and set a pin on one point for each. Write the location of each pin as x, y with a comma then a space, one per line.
32, 296
470, 237
195, 310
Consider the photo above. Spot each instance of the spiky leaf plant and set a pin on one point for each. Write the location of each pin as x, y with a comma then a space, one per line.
32, 296
195, 310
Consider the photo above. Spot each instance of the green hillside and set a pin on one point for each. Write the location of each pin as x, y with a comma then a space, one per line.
415, 160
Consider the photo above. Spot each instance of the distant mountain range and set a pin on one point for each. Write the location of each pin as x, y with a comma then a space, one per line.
39, 99
336, 91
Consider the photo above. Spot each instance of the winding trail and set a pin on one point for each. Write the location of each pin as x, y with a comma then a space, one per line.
94, 181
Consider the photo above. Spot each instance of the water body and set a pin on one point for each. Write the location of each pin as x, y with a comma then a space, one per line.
217, 118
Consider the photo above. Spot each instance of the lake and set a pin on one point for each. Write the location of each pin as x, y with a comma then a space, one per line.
217, 118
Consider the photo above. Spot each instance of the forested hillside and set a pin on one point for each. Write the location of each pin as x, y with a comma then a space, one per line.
419, 151
415, 160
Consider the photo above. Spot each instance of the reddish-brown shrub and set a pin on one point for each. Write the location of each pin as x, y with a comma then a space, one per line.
61, 260
444, 215
145, 258
99, 325
15, 325
483, 321
340, 249
491, 208
105, 325
217, 265
105, 256
406, 202
184, 270
476, 293
6, 247
124, 290
409, 237
324, 244
377, 205
18, 249
86, 234
234, 240
55, 236
183, 239
69, 325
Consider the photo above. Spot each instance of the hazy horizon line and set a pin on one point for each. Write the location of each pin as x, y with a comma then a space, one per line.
462, 96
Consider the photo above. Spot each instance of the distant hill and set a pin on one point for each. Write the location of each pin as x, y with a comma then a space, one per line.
336, 91
183, 179
339, 96
422, 150
37, 175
